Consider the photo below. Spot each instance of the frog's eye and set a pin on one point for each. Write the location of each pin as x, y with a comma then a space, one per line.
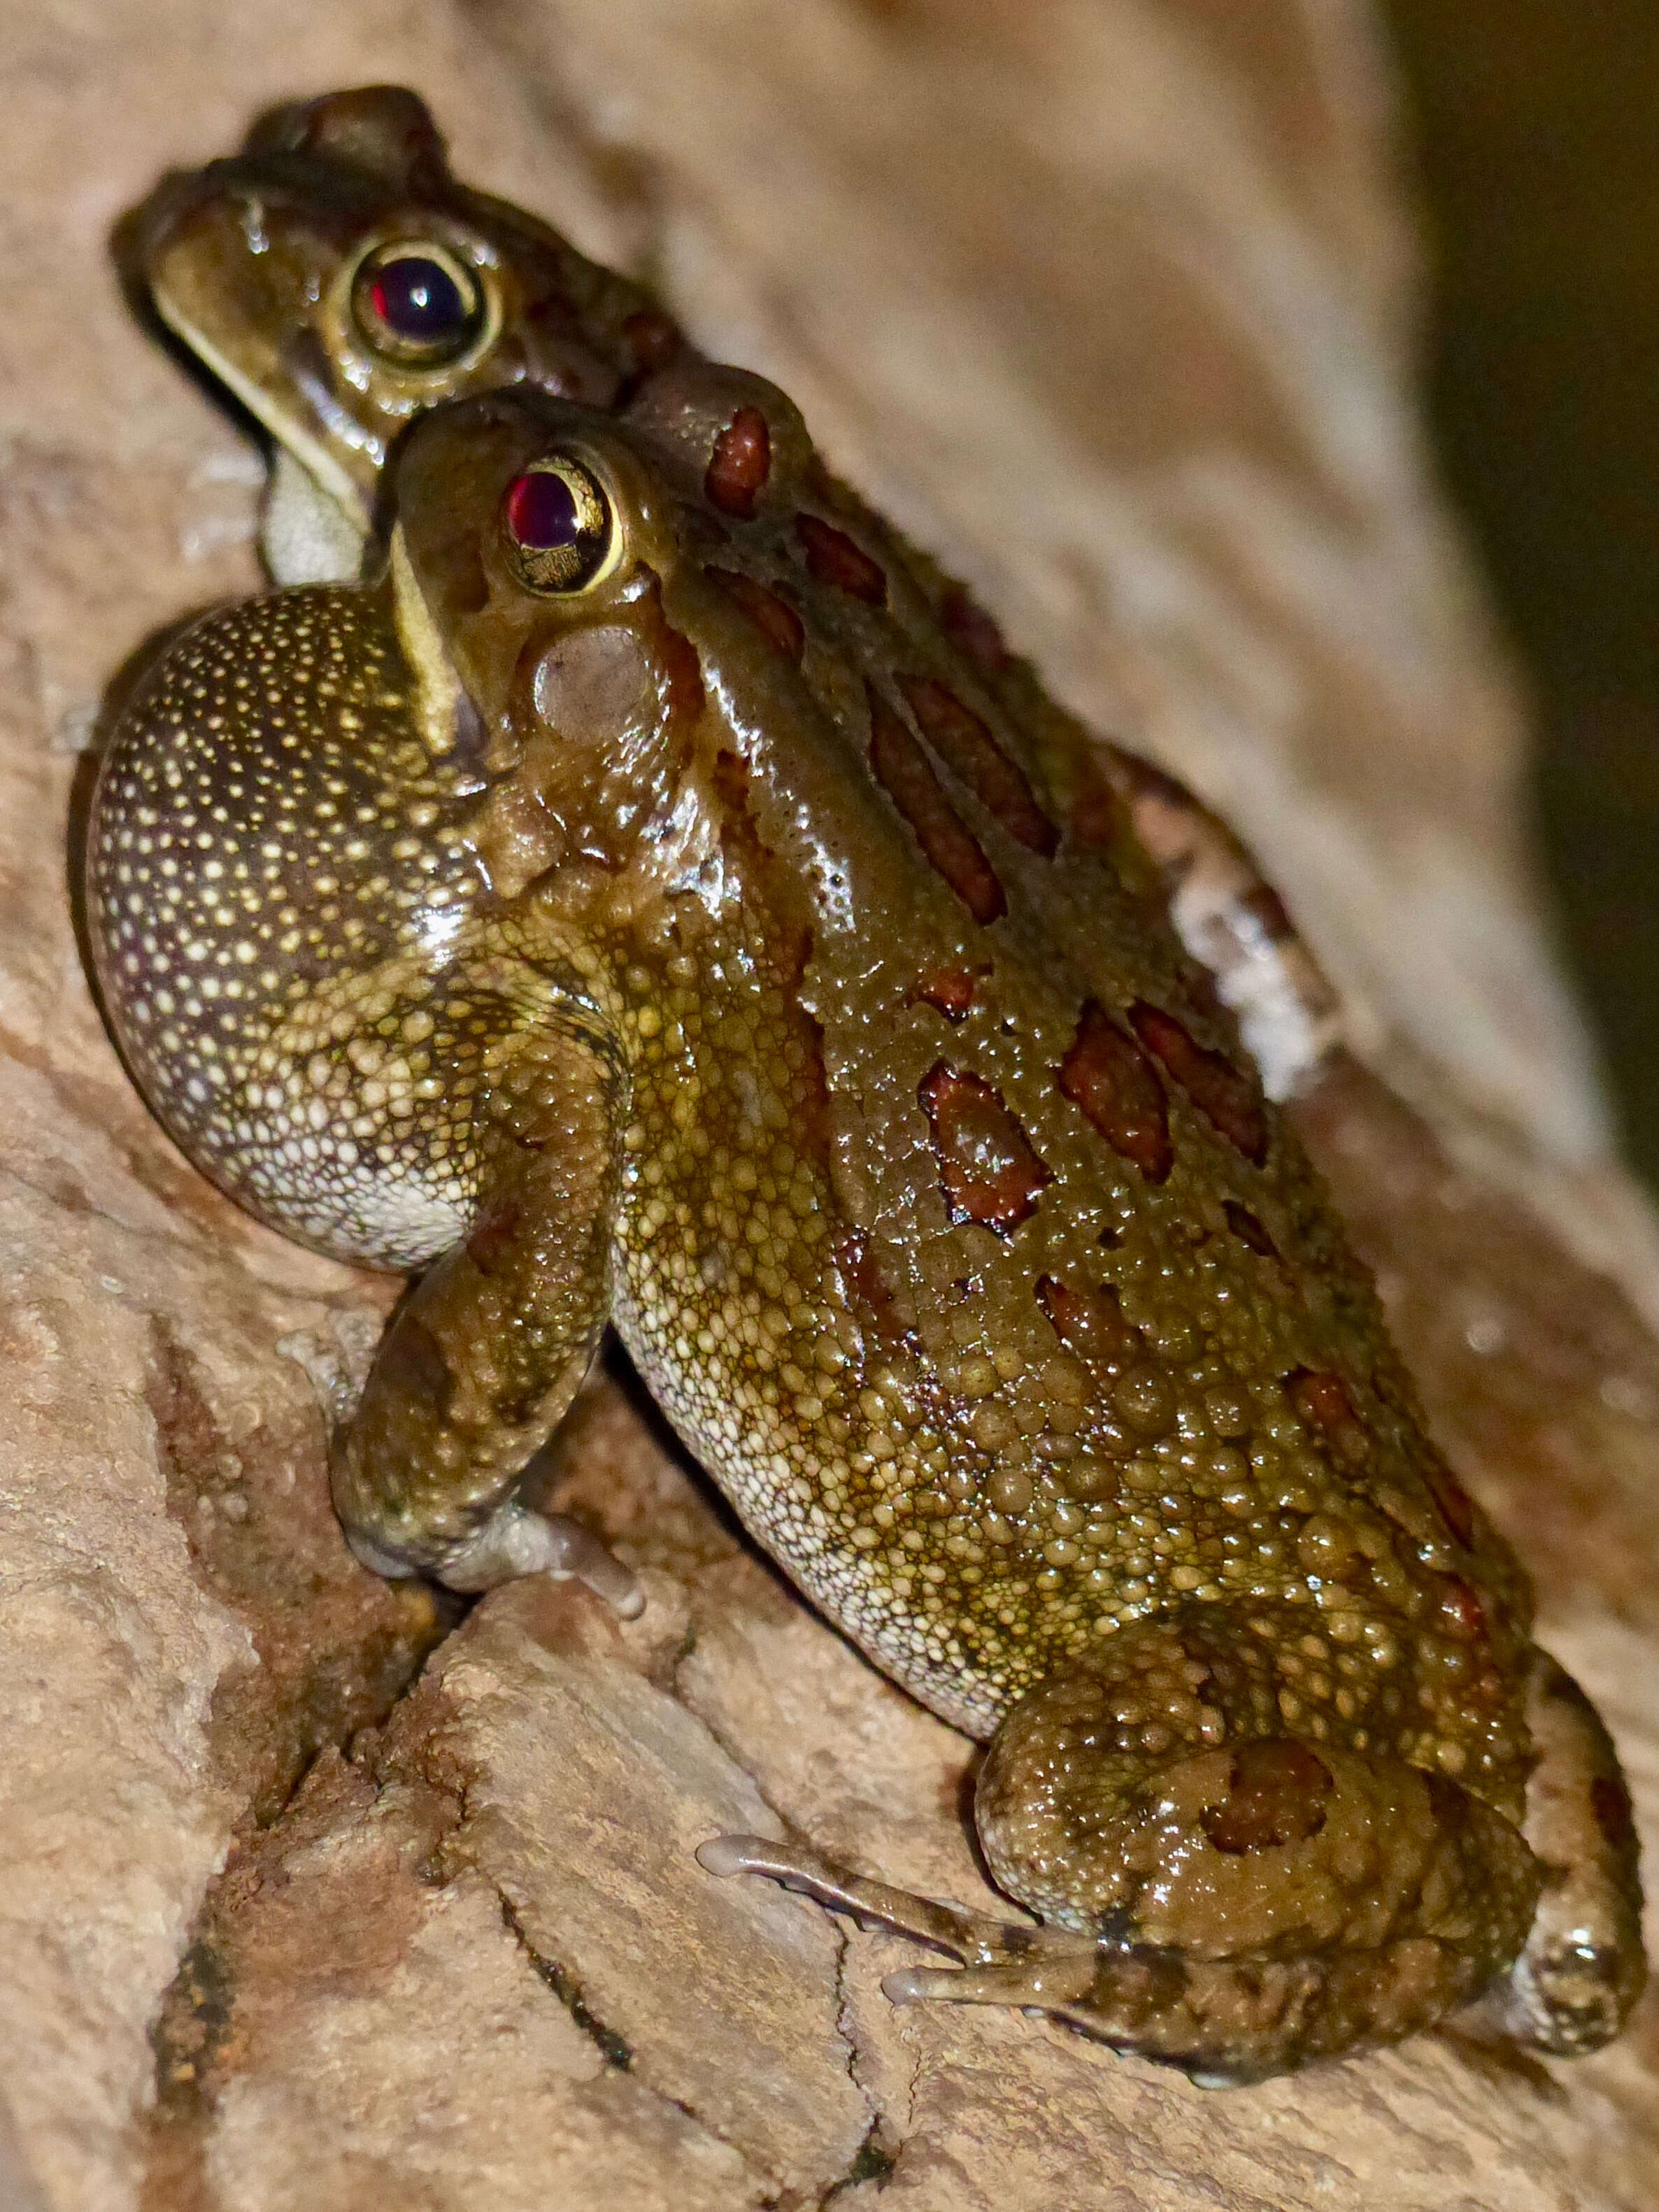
559, 525
416, 303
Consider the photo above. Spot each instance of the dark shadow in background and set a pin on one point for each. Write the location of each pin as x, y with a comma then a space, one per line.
1537, 126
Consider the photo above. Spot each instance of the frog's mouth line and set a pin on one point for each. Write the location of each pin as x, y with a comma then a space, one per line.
313, 527
331, 479
144, 241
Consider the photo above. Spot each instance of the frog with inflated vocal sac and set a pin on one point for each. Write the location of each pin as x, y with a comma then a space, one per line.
652, 894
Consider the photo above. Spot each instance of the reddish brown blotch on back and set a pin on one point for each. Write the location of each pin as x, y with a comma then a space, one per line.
833, 558
987, 1169
903, 771
1111, 1077
1226, 1098
949, 991
1321, 1400
1090, 1323
963, 742
739, 465
771, 614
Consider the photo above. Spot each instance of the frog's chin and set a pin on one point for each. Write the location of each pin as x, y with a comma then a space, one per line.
312, 529
306, 535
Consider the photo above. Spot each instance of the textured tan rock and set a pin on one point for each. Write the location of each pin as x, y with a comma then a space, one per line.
345, 2069
1107, 301
730, 2014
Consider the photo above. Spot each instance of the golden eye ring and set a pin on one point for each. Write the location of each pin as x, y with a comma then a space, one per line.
560, 526
416, 303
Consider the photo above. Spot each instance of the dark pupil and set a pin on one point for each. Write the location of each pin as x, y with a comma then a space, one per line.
418, 299
541, 512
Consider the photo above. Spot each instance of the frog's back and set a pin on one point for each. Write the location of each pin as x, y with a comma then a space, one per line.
962, 1241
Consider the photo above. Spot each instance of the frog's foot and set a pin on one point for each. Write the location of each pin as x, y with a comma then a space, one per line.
1234, 923
1581, 1968
1002, 1961
970, 1937
515, 1541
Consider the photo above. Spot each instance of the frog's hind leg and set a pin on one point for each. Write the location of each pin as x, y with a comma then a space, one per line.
1220, 1893
1232, 921
1316, 1892
1581, 1967
1225, 2022
484, 1358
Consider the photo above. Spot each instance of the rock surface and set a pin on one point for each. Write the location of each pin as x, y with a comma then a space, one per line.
318, 1896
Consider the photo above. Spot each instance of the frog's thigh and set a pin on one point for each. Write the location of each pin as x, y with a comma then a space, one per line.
1232, 921
1271, 1898
484, 1357
1581, 1967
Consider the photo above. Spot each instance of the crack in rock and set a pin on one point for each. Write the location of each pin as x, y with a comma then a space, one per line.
614, 2049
